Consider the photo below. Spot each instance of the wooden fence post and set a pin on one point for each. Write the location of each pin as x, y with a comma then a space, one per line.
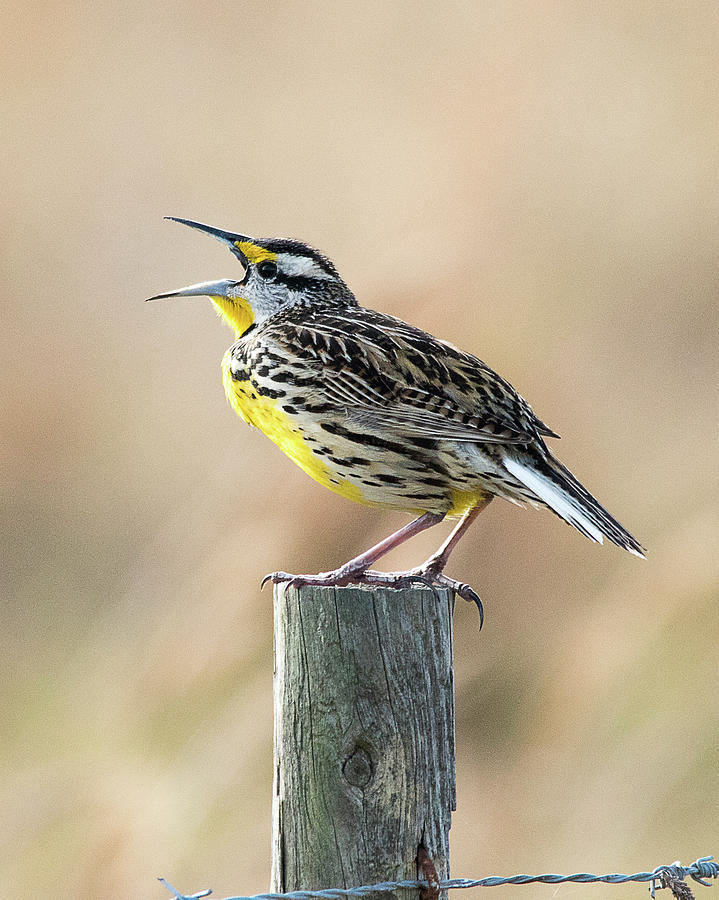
364, 735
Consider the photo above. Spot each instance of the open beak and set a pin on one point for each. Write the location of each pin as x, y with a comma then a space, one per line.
228, 238
203, 289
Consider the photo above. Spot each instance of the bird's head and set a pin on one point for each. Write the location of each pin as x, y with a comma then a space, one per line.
279, 273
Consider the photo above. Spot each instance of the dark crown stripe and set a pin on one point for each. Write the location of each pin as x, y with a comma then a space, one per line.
297, 248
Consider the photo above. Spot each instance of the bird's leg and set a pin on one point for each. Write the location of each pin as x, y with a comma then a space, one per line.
436, 563
362, 562
355, 568
432, 570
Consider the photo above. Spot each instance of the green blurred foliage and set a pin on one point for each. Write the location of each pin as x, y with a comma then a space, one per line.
533, 181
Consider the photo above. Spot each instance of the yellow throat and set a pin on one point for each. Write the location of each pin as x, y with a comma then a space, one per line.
236, 312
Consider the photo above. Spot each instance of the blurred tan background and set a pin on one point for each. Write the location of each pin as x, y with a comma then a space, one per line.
534, 181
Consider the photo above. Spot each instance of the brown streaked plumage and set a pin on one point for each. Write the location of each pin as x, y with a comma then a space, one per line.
381, 412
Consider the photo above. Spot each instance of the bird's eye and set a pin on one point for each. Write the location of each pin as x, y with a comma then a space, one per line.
267, 270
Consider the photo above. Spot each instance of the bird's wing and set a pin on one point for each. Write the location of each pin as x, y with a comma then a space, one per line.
390, 376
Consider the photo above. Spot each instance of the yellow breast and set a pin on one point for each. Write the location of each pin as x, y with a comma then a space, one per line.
283, 430
289, 433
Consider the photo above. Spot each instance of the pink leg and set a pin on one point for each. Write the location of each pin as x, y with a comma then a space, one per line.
357, 566
438, 560
362, 562
432, 569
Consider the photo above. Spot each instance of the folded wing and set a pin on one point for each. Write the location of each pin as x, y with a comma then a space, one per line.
389, 376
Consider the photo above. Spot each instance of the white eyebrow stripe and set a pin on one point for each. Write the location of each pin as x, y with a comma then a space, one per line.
300, 265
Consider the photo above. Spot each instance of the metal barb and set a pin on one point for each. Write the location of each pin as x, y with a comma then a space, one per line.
673, 878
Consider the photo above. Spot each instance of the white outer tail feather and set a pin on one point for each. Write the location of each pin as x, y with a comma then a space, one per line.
561, 502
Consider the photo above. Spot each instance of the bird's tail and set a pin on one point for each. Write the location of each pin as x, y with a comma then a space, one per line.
555, 486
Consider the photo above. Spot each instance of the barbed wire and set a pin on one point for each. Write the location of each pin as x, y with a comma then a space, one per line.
668, 876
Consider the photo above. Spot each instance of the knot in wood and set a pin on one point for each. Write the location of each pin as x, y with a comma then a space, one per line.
358, 768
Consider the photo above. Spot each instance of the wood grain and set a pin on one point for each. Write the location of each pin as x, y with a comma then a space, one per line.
364, 734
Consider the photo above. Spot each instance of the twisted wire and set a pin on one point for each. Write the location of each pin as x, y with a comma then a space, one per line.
700, 870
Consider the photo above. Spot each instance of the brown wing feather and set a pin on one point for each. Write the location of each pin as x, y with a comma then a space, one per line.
387, 374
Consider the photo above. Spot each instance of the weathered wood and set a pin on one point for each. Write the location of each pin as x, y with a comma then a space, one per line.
364, 734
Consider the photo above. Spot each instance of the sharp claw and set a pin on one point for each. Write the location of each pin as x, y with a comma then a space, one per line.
427, 582
409, 578
396, 579
276, 577
433, 585
267, 578
471, 596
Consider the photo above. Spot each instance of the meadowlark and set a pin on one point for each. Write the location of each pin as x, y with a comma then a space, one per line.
380, 411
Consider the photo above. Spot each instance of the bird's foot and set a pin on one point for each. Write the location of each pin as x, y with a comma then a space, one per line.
427, 575
350, 575
337, 578
432, 576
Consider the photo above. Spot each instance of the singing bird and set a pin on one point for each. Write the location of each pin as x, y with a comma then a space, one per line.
381, 412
